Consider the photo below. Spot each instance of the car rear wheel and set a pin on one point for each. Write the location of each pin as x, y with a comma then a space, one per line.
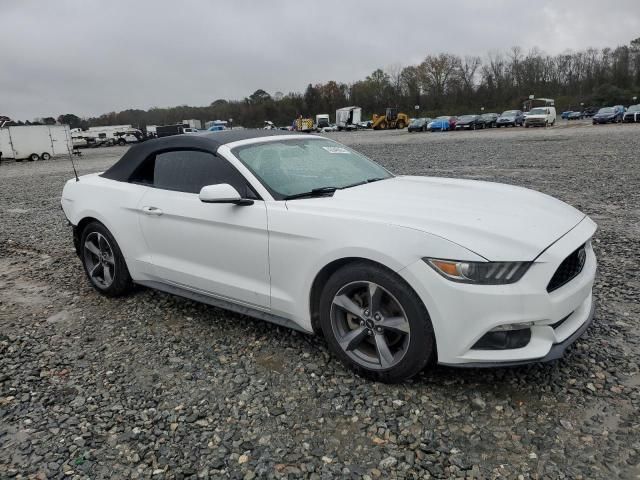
45, 156
103, 261
34, 157
375, 323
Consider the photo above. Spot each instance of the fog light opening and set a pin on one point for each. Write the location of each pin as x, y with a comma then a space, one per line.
504, 339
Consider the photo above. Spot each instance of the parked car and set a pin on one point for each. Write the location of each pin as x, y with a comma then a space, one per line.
609, 115
511, 118
365, 124
565, 115
397, 272
540, 117
490, 120
590, 111
418, 125
632, 114
469, 122
331, 128
441, 124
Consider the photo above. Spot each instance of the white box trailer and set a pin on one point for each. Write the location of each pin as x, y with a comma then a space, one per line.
35, 141
193, 123
348, 118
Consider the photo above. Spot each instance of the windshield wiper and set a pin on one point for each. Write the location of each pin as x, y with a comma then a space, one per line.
316, 192
368, 180
329, 191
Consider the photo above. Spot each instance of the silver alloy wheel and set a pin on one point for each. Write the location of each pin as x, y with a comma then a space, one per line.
99, 260
370, 325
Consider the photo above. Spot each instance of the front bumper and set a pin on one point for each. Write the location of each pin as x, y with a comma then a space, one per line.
462, 314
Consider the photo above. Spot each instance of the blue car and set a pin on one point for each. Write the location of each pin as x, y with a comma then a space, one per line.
609, 115
439, 124
565, 114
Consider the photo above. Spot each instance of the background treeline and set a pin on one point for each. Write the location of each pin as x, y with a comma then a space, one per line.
441, 84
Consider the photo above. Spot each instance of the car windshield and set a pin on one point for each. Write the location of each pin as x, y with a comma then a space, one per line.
466, 118
538, 111
297, 165
634, 108
509, 113
606, 110
417, 122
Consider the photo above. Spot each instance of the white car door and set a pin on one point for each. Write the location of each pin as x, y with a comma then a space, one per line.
217, 249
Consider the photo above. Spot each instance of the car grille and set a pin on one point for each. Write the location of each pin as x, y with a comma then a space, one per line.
569, 269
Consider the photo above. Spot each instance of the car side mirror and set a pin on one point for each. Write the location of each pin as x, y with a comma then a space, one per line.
222, 193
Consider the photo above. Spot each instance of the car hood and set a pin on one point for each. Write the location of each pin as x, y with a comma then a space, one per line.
506, 119
604, 115
499, 222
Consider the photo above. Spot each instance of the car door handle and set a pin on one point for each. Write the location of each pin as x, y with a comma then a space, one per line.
151, 211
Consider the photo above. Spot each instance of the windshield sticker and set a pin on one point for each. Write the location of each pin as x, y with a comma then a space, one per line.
336, 150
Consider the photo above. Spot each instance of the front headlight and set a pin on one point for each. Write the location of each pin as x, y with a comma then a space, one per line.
481, 273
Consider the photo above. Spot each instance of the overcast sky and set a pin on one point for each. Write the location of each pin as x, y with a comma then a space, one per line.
89, 57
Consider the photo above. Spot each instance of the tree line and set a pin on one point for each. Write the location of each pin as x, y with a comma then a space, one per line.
441, 84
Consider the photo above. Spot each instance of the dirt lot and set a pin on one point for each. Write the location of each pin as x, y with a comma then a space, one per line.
157, 386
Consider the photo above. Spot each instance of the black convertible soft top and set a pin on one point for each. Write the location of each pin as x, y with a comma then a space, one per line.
210, 141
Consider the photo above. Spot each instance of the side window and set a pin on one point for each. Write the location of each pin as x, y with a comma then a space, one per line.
188, 171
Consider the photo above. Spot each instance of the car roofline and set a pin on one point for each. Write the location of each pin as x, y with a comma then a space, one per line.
275, 138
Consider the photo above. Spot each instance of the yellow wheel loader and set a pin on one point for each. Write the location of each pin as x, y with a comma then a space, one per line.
390, 120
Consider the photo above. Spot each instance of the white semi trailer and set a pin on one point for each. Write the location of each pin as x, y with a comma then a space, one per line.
348, 118
35, 142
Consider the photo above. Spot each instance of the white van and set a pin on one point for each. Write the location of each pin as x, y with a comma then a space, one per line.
540, 117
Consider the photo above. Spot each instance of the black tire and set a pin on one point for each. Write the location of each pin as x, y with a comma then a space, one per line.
121, 283
122, 142
419, 349
45, 156
34, 157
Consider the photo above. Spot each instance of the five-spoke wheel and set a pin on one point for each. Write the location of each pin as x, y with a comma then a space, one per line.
370, 325
99, 259
375, 323
103, 261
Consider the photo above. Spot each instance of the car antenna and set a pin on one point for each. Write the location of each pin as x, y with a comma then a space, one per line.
75, 172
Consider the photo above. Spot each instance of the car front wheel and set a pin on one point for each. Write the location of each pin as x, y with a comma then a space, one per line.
375, 323
103, 261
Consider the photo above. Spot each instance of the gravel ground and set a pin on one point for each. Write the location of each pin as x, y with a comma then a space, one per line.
154, 386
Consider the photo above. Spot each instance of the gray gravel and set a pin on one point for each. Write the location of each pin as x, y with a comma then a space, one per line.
154, 386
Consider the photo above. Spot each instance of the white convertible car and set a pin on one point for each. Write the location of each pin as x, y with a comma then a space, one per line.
395, 271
